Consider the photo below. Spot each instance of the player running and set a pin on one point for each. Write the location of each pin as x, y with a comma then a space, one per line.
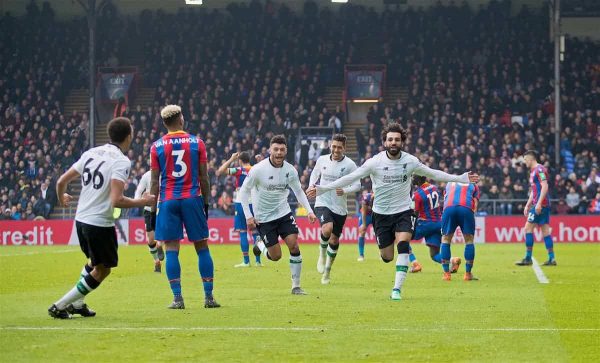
460, 204
365, 219
393, 220
104, 171
428, 209
537, 209
269, 181
155, 248
331, 208
239, 224
179, 159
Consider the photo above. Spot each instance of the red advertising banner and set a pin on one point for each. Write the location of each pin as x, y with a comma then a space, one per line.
501, 229
491, 229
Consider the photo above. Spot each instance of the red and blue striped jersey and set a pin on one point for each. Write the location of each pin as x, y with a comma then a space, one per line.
177, 156
465, 195
367, 201
427, 203
536, 177
240, 173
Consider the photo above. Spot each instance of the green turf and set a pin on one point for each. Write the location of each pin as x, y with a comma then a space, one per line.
351, 319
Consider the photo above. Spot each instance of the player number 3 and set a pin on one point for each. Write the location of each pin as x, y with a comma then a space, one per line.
179, 162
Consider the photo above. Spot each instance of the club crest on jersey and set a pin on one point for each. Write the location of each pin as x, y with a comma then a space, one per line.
385, 168
287, 175
271, 177
342, 170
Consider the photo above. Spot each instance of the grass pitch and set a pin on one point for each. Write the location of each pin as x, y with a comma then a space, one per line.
506, 316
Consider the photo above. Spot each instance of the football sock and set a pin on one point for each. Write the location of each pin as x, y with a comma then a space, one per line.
207, 270
244, 246
255, 238
445, 252
529, 245
295, 268
86, 270
549, 247
174, 272
324, 242
401, 268
263, 249
153, 251
85, 285
469, 256
361, 246
437, 258
331, 254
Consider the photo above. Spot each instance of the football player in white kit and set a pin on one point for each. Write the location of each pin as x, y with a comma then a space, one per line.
391, 173
269, 181
331, 207
103, 171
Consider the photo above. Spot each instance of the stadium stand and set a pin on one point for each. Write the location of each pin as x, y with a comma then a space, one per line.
476, 93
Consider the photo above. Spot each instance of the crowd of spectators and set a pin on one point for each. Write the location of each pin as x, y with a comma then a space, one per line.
41, 59
478, 80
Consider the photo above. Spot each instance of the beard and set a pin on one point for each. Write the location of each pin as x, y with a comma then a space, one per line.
393, 151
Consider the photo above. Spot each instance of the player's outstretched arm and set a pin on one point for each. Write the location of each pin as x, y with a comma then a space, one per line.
438, 175
119, 200
300, 196
223, 168
356, 175
61, 186
354, 187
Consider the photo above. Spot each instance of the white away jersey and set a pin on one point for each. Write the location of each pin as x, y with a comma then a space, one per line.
144, 186
269, 188
327, 171
392, 180
98, 166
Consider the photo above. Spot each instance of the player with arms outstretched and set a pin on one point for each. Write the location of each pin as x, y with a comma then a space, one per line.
104, 171
537, 209
179, 159
460, 204
239, 222
391, 172
331, 208
365, 219
267, 185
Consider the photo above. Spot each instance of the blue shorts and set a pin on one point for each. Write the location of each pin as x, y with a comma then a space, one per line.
172, 215
542, 218
369, 220
239, 221
458, 216
429, 230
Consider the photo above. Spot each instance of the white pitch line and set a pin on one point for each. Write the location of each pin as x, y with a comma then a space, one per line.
538, 272
167, 328
39, 253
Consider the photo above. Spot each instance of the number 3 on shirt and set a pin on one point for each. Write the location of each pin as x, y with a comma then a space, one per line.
179, 162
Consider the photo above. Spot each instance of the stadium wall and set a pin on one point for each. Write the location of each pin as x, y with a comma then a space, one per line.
490, 229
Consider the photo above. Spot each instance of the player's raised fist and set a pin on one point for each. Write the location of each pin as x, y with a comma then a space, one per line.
312, 218
235, 156
473, 177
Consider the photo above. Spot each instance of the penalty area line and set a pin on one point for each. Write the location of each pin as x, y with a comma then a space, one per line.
538, 272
